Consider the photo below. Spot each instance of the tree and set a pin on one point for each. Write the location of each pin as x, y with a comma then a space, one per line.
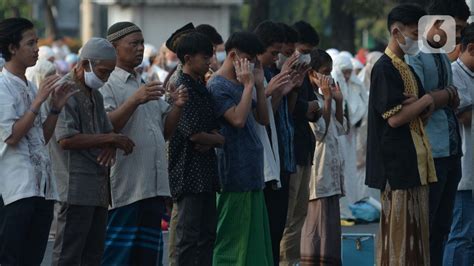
51, 28
259, 11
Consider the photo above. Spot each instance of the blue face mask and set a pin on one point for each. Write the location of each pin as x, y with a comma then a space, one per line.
91, 79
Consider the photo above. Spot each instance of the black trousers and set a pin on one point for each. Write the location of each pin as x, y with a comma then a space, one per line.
24, 230
442, 195
277, 208
196, 229
80, 236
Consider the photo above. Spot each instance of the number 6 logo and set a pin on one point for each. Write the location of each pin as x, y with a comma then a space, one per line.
437, 34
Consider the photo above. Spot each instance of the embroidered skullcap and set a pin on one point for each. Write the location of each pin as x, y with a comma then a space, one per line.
171, 42
98, 49
120, 30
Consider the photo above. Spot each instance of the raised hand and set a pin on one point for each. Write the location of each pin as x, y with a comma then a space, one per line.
180, 96
149, 92
336, 93
290, 63
325, 85
279, 83
61, 93
242, 70
46, 88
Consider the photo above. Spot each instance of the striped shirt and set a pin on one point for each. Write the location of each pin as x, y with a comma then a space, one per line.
144, 173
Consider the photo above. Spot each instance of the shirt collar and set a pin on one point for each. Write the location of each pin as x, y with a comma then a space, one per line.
393, 56
9, 75
465, 68
124, 75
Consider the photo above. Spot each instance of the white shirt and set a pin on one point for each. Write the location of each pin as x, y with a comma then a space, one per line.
327, 174
143, 173
25, 169
271, 155
463, 79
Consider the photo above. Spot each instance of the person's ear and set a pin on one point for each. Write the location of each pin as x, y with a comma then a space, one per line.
187, 58
12, 49
85, 65
470, 49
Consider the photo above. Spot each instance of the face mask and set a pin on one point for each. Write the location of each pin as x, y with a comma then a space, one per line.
281, 60
172, 64
304, 59
220, 56
91, 79
251, 67
410, 47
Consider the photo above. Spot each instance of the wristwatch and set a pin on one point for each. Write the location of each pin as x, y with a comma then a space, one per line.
54, 111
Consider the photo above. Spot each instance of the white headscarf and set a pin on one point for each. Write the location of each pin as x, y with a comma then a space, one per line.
364, 75
332, 52
45, 53
355, 95
37, 73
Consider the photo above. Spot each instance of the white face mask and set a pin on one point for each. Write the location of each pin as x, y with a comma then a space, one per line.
91, 79
220, 56
304, 59
281, 60
251, 67
410, 47
172, 64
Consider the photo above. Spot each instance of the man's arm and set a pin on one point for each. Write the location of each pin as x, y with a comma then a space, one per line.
90, 141
409, 112
212, 139
237, 115
465, 118
261, 114
180, 98
148, 92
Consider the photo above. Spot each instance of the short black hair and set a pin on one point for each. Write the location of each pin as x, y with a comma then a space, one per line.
269, 33
291, 35
306, 33
11, 33
467, 36
454, 8
319, 58
407, 14
193, 43
246, 42
211, 33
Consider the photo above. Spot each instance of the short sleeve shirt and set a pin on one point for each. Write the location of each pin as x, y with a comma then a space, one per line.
392, 153
80, 178
25, 169
463, 79
192, 171
143, 173
240, 161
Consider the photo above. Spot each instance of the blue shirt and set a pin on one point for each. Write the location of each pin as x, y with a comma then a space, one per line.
240, 161
434, 71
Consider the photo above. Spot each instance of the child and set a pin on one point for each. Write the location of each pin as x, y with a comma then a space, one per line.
243, 236
192, 157
399, 158
321, 235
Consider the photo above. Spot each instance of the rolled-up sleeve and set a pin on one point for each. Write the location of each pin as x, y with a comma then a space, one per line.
110, 101
8, 113
68, 123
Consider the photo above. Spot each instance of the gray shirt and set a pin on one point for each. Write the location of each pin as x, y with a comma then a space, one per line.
144, 173
80, 179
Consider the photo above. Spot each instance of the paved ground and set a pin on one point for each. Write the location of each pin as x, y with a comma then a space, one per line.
356, 229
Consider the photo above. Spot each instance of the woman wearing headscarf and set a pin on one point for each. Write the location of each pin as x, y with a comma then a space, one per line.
355, 108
